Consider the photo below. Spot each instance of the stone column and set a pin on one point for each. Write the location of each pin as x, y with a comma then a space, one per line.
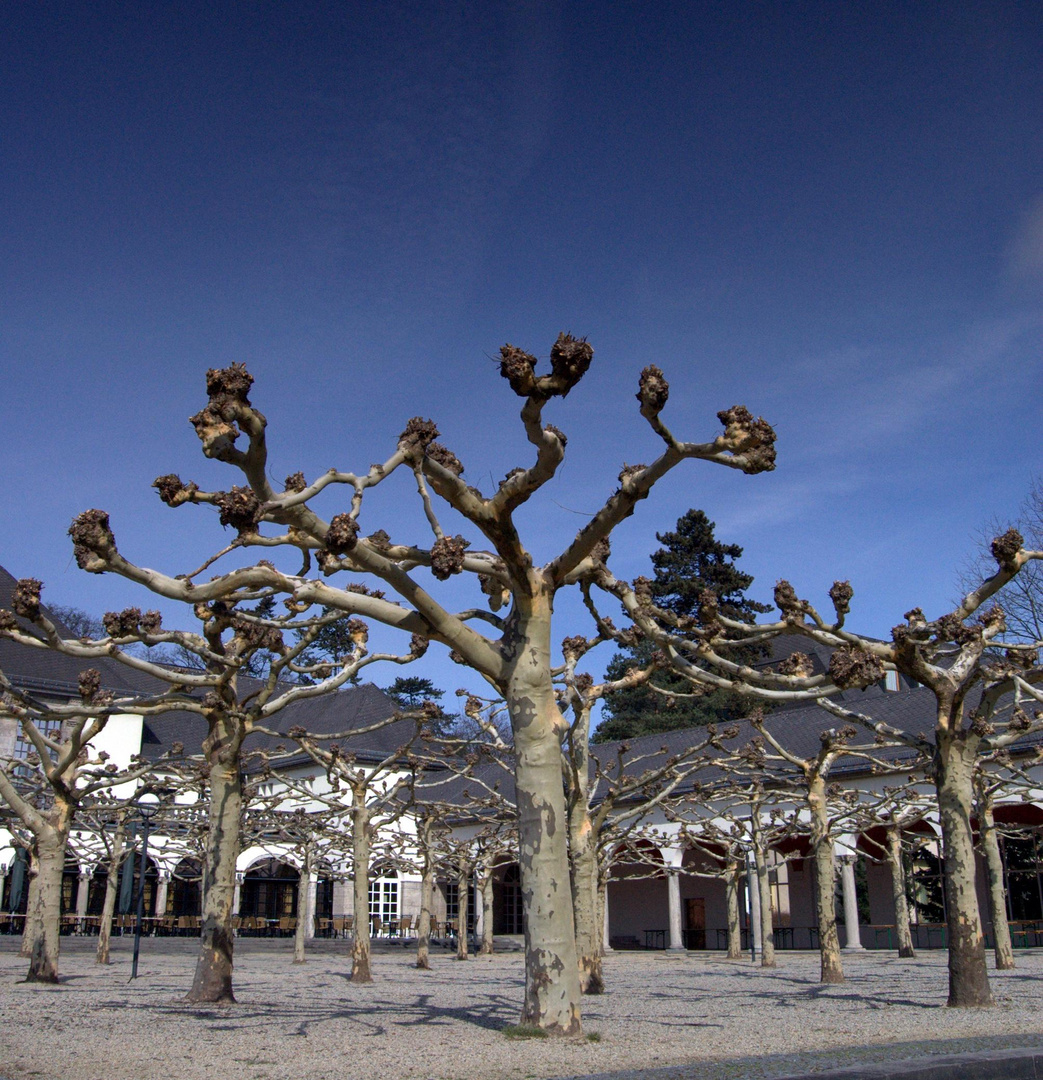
83, 888
673, 881
313, 906
238, 889
753, 893
162, 890
847, 882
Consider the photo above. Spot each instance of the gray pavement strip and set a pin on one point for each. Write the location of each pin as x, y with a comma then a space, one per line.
1007, 1063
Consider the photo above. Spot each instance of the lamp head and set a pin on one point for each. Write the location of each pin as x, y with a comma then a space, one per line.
147, 804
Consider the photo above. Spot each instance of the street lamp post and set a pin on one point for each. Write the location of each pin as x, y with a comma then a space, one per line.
147, 805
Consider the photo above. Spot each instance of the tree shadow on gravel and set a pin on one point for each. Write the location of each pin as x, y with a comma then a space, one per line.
378, 1015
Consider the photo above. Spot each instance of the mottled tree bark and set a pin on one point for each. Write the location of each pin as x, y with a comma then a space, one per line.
50, 864
894, 861
463, 882
485, 888
831, 969
32, 928
732, 885
955, 754
304, 914
361, 971
583, 862
764, 893
552, 993
997, 894
427, 894
213, 975
108, 908
590, 930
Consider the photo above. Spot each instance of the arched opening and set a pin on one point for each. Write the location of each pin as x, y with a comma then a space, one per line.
1020, 827
638, 903
269, 890
185, 895
70, 883
324, 894
451, 888
96, 892
704, 905
508, 915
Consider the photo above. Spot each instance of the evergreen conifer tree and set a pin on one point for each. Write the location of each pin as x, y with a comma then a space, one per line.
692, 559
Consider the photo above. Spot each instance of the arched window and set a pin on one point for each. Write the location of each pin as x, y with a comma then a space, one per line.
269, 890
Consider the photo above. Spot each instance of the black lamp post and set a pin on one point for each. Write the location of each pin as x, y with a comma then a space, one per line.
146, 805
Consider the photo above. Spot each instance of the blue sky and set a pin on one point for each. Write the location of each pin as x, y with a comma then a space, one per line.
831, 213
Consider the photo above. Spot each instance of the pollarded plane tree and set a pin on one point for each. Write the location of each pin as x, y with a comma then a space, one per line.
611, 791
67, 775
308, 835
230, 636
512, 651
1000, 777
107, 828
830, 808
743, 812
986, 694
373, 792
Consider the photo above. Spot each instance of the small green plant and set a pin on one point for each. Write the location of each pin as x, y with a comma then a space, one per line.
593, 1036
524, 1031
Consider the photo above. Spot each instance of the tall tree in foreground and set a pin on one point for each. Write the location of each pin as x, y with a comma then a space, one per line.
512, 650
691, 560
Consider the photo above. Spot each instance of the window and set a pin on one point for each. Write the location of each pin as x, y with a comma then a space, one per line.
23, 747
925, 886
383, 894
1023, 859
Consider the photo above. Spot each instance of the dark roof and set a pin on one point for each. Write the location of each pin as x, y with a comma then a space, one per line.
47, 671
344, 710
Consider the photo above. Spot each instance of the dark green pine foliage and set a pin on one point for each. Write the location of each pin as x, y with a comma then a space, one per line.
692, 559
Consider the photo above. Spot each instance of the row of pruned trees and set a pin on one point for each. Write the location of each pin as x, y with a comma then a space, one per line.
507, 641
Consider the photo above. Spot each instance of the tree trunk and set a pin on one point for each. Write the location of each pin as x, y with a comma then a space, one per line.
894, 860
732, 884
955, 754
590, 929
463, 883
997, 895
111, 886
32, 928
485, 883
303, 914
764, 893
49, 864
552, 992
213, 975
831, 969
361, 971
423, 933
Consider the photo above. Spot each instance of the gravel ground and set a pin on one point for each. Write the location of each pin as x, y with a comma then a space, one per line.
695, 1016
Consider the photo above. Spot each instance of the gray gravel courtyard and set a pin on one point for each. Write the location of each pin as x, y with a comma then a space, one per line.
694, 1015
